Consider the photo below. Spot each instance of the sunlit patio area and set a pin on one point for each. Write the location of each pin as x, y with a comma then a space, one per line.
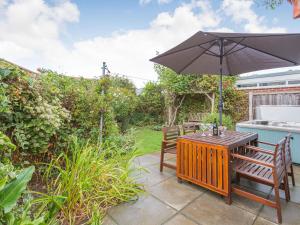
168, 202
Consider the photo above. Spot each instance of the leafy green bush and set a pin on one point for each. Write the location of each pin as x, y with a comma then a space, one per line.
150, 108
87, 182
6, 148
156, 127
120, 144
29, 119
227, 121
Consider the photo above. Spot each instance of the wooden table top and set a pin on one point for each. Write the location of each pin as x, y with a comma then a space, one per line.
232, 139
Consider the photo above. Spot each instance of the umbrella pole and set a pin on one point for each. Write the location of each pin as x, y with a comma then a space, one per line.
221, 82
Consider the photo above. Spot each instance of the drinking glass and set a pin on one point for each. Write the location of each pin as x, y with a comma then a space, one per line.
210, 129
222, 131
203, 128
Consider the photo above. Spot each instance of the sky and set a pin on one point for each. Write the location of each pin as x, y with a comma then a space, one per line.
74, 37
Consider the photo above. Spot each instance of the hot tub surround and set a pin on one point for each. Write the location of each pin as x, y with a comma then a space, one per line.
273, 131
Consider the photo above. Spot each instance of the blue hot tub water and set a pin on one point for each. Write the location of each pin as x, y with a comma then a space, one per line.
274, 136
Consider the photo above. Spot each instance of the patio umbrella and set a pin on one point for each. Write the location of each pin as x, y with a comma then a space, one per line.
231, 54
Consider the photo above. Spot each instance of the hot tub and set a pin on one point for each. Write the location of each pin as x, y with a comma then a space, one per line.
273, 131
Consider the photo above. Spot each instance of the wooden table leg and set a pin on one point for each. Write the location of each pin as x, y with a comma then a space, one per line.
228, 198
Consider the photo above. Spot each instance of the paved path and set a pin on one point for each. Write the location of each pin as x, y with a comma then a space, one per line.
170, 203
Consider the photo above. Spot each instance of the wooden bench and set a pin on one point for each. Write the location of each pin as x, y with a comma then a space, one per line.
188, 128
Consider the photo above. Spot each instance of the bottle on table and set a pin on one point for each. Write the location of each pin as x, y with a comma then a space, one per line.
215, 128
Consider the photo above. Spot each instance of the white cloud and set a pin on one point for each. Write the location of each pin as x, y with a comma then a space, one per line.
31, 36
34, 28
145, 2
242, 12
34, 37
164, 1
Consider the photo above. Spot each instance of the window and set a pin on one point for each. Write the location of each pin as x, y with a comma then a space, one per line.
247, 85
292, 82
274, 83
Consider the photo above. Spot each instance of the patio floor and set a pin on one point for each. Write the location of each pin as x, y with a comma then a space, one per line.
170, 203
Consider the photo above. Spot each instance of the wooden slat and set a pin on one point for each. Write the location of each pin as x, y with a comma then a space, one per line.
194, 161
231, 139
186, 168
220, 169
190, 153
199, 150
209, 166
226, 176
204, 162
253, 197
214, 167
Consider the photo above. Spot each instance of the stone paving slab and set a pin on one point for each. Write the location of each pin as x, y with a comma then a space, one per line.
174, 194
294, 191
297, 180
211, 209
290, 213
146, 211
262, 221
155, 169
170, 203
108, 221
180, 220
255, 186
296, 169
149, 178
146, 160
166, 156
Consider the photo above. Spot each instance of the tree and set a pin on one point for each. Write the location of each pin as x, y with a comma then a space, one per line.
271, 3
174, 89
151, 102
120, 97
177, 88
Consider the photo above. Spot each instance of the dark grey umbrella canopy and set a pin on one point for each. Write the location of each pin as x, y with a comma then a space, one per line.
200, 54
231, 54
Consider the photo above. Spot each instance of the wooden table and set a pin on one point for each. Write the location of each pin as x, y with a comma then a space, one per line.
206, 161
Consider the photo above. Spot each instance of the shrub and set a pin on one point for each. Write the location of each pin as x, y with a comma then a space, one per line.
6, 148
227, 121
30, 120
156, 127
87, 183
120, 144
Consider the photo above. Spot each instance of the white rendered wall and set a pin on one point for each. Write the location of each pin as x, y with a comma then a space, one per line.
278, 113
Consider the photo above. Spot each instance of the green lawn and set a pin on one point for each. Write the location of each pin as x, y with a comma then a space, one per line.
148, 140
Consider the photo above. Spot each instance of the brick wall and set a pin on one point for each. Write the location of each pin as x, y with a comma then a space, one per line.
274, 90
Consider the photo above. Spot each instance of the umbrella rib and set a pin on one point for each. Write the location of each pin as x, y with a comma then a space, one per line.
211, 53
253, 36
194, 59
236, 44
246, 46
236, 50
169, 53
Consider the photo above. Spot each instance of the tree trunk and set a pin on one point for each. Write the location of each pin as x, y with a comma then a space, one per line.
172, 109
211, 98
176, 110
213, 103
